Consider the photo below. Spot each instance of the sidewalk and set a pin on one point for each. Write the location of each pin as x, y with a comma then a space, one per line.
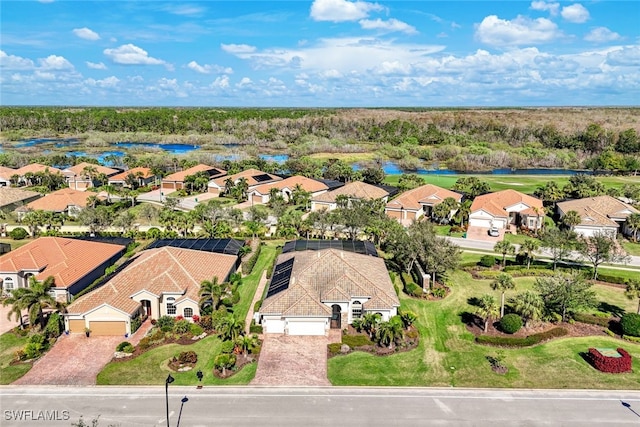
256, 297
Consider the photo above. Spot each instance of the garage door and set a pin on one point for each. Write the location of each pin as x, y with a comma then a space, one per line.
478, 222
273, 326
306, 328
108, 328
76, 325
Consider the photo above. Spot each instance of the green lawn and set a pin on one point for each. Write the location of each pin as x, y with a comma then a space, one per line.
15, 244
251, 281
448, 356
9, 344
151, 367
518, 239
631, 247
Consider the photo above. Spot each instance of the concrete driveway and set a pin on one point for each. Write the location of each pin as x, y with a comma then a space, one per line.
482, 234
292, 361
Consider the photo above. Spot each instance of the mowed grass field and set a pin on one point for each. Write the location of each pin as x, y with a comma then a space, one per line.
448, 355
523, 183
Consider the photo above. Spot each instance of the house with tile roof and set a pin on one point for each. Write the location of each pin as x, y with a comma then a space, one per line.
599, 215
506, 209
12, 198
175, 181
83, 175
65, 200
73, 263
261, 193
142, 175
356, 190
253, 176
5, 176
313, 291
33, 168
420, 201
163, 281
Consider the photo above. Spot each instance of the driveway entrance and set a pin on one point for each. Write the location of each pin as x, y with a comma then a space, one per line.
287, 360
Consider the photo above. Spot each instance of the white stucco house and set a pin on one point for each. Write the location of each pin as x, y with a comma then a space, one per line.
314, 291
599, 215
507, 208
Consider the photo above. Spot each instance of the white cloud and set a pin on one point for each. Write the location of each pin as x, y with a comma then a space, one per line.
221, 82
86, 33
521, 31
331, 74
12, 62
207, 68
342, 10
237, 48
55, 62
244, 82
601, 35
185, 10
575, 13
393, 67
391, 25
108, 82
129, 54
96, 66
553, 8
628, 56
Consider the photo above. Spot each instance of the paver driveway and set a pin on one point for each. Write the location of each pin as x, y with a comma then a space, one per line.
292, 360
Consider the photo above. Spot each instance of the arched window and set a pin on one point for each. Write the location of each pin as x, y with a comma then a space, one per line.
188, 312
171, 308
356, 309
8, 283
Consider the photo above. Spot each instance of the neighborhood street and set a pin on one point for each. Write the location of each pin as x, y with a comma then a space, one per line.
317, 406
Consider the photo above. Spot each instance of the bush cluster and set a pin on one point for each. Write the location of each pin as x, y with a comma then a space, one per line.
611, 278
18, 233
254, 328
613, 365
510, 323
247, 267
334, 348
487, 261
354, 341
125, 347
166, 323
591, 319
522, 342
188, 357
182, 326
630, 323
195, 329
205, 323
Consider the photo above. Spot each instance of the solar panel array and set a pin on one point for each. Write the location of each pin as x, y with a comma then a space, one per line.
356, 246
280, 277
220, 246
262, 178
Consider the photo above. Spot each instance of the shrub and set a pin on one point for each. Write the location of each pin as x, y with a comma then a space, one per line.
511, 323
18, 233
611, 278
195, 318
630, 323
487, 261
354, 341
54, 326
166, 323
224, 361
36, 345
195, 329
632, 339
591, 319
334, 348
227, 347
522, 342
182, 326
254, 328
188, 357
247, 267
154, 233
205, 322
257, 306
612, 365
136, 322
439, 292
123, 345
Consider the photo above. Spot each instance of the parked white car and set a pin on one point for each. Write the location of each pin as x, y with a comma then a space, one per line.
494, 232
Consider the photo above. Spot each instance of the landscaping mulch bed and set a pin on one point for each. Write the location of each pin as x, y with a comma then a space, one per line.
241, 361
409, 343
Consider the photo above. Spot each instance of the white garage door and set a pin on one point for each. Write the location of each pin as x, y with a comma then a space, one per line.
273, 326
480, 222
305, 328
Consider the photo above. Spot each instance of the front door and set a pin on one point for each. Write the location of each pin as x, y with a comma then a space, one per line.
335, 317
146, 305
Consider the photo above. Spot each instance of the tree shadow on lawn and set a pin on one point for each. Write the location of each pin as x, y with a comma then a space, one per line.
614, 310
473, 301
471, 320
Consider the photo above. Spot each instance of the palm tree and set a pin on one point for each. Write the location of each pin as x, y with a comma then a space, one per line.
16, 308
231, 328
529, 305
633, 222
211, 293
389, 332
527, 248
35, 299
633, 290
571, 219
503, 247
370, 322
246, 343
502, 283
487, 308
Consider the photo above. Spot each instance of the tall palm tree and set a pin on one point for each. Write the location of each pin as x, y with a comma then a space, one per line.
503, 247
527, 248
571, 219
633, 222
633, 290
211, 293
16, 308
503, 282
529, 305
35, 298
487, 308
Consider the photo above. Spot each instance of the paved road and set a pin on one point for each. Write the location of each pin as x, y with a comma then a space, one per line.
322, 406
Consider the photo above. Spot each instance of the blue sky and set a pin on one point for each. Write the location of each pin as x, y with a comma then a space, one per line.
322, 53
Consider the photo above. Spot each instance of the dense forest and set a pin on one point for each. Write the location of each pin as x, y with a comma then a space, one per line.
460, 139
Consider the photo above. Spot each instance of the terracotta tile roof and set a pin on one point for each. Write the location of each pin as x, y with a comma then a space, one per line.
331, 275
67, 260
146, 173
250, 175
497, 203
181, 175
7, 173
78, 170
307, 184
60, 200
600, 210
428, 194
355, 190
10, 195
36, 167
160, 270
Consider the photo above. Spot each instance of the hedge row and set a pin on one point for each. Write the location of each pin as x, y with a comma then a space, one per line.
522, 342
592, 319
614, 365
247, 267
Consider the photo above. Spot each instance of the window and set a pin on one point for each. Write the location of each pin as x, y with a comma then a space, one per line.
356, 309
188, 313
8, 283
171, 308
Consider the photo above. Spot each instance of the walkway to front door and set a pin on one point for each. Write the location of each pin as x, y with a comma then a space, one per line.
292, 361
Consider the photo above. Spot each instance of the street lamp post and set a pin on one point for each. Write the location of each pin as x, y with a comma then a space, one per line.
183, 400
168, 381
